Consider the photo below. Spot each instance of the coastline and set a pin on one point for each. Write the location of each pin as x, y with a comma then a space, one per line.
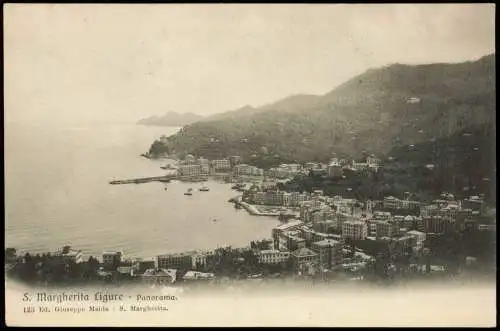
252, 210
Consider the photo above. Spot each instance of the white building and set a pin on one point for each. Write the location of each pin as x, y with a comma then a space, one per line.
273, 256
221, 165
247, 170
69, 254
190, 170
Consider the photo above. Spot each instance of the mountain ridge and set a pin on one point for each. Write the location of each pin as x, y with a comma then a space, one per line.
378, 110
171, 119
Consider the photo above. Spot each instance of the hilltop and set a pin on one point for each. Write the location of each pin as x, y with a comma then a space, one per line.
381, 109
171, 119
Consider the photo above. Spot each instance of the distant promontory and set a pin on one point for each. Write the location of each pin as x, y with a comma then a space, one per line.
171, 119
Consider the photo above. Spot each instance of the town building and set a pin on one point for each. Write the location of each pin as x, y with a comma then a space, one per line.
159, 276
204, 165
303, 257
419, 239
391, 202
402, 245
168, 261
201, 259
325, 226
111, 259
69, 255
222, 165
190, 170
273, 256
235, 160
356, 230
196, 275
334, 170
386, 228
247, 170
437, 224
329, 251
475, 203
282, 228
290, 240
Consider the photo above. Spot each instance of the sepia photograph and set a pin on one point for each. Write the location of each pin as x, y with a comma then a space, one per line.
250, 165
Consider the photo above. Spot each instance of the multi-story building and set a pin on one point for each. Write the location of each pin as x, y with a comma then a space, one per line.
235, 160
273, 256
290, 241
247, 170
436, 224
177, 260
189, 160
259, 198
329, 251
289, 226
205, 165
391, 202
302, 257
382, 215
221, 165
190, 170
325, 226
111, 259
342, 217
386, 229
395, 203
419, 239
356, 230
200, 259
334, 170
402, 245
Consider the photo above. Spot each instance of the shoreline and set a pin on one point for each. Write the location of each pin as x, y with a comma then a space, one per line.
252, 210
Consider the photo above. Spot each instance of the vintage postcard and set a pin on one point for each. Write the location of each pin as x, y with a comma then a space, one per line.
250, 164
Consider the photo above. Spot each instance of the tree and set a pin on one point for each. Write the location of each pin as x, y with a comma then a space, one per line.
10, 254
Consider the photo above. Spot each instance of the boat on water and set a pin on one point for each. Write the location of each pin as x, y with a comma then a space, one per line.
189, 192
204, 188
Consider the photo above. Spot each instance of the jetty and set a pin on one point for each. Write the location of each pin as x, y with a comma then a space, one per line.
163, 179
252, 210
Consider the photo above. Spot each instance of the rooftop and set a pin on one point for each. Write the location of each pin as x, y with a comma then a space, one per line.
160, 273
198, 275
272, 251
289, 224
415, 232
327, 242
303, 252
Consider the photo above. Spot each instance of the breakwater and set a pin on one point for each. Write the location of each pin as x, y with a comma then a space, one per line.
164, 179
251, 209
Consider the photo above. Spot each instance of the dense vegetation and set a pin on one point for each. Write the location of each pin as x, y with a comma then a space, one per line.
463, 164
372, 112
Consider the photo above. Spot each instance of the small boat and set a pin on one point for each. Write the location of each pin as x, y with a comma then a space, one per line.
204, 189
189, 192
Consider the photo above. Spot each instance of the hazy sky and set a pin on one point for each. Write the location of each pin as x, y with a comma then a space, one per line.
126, 62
